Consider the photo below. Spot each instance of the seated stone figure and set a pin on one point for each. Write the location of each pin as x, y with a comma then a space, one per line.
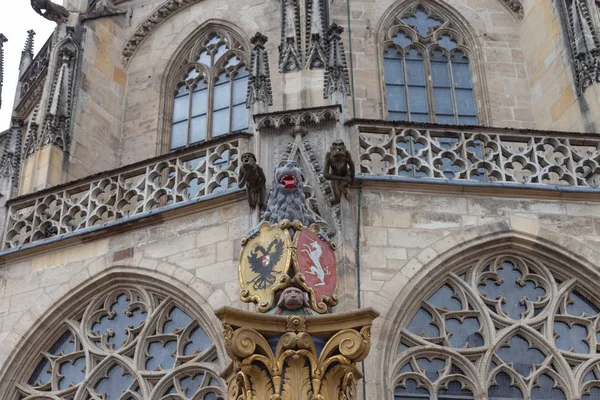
52, 11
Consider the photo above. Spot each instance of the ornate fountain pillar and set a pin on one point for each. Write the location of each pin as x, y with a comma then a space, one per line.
292, 347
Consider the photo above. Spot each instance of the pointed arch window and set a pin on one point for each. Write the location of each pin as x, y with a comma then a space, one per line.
128, 342
504, 326
427, 71
209, 98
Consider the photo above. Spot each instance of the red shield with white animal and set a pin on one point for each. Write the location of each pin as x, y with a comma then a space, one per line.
315, 259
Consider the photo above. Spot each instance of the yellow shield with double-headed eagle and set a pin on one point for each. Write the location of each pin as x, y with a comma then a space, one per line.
264, 263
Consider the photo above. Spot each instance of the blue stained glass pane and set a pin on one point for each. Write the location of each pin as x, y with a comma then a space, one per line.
220, 122
467, 120
447, 42
199, 102
419, 118
204, 58
444, 299
422, 22
445, 119
571, 337
443, 101
179, 135
503, 389
546, 390
198, 129
422, 324
190, 385
177, 320
180, 108
212, 39
432, 368
393, 53
240, 88
580, 305
521, 356
440, 74
418, 100
72, 373
465, 102
402, 40
199, 341
397, 116
121, 319
415, 73
161, 355
394, 71
64, 345
210, 396
594, 394
396, 98
465, 332
411, 391
42, 374
117, 382
455, 391
221, 93
220, 51
461, 73
239, 118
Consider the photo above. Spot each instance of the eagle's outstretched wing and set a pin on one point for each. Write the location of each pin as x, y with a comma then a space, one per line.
275, 250
255, 259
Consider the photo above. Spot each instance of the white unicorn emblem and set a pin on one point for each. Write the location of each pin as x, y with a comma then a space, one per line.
315, 251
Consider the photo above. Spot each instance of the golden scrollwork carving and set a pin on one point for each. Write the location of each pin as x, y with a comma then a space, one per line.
295, 358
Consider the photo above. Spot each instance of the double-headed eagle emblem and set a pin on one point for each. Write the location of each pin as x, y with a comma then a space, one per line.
263, 262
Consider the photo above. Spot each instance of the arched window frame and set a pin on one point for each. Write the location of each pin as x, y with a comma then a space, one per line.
186, 59
453, 24
562, 278
78, 315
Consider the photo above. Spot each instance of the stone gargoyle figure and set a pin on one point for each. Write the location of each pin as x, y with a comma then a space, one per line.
293, 299
51, 11
252, 177
339, 170
287, 200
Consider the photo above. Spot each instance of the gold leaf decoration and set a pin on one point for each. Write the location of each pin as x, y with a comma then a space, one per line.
262, 387
331, 384
296, 385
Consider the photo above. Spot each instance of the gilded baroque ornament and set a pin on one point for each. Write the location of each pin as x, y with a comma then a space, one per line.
295, 357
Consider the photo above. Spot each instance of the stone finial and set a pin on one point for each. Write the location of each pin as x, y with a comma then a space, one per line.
315, 32
260, 94
10, 162
28, 48
289, 50
337, 82
3, 40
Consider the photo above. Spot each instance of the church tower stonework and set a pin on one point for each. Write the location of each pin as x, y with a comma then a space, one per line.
301, 200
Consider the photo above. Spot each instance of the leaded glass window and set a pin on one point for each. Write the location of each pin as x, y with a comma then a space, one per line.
210, 96
129, 343
427, 71
503, 327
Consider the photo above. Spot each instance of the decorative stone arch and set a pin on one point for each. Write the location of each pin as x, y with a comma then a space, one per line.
573, 270
459, 25
240, 46
172, 290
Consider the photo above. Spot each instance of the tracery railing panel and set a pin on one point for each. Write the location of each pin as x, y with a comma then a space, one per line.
195, 172
479, 154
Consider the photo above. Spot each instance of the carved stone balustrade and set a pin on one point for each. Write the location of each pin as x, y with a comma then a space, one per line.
511, 157
183, 176
295, 357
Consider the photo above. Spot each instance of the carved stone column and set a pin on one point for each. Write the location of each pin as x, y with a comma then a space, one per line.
295, 357
3, 40
260, 94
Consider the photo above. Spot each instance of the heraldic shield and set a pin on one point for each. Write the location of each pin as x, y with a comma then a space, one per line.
264, 263
316, 267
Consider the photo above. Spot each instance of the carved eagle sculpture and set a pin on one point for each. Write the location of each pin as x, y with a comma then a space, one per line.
262, 262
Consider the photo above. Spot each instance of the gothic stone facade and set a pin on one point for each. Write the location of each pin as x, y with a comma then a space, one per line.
473, 225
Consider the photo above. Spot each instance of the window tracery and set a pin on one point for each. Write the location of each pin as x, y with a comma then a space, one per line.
129, 343
503, 327
209, 98
427, 70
